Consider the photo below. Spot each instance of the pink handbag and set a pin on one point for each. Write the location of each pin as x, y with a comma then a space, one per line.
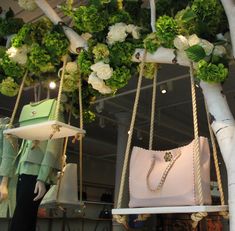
167, 178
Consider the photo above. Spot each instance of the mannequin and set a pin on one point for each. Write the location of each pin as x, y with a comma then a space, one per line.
36, 165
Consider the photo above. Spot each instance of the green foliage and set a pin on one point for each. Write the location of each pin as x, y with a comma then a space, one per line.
119, 16
210, 72
23, 36
88, 116
56, 43
195, 53
39, 61
119, 78
10, 26
11, 68
2, 51
170, 7
9, 87
90, 19
166, 30
84, 63
151, 43
149, 69
121, 53
211, 17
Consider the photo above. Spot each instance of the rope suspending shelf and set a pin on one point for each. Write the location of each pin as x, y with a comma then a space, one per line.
51, 129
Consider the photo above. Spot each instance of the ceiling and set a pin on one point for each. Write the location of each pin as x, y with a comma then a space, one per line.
173, 120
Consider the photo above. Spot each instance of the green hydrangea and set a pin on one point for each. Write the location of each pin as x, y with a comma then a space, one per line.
89, 19
84, 63
210, 72
121, 53
10, 26
149, 69
119, 78
119, 16
70, 83
100, 51
56, 43
11, 68
166, 30
9, 87
23, 36
151, 43
39, 61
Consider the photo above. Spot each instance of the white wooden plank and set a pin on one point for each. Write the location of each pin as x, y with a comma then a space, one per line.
163, 210
43, 131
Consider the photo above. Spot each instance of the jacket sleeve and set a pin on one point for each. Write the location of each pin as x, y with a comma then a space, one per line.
9, 152
51, 159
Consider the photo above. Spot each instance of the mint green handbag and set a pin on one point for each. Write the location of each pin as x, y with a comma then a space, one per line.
38, 112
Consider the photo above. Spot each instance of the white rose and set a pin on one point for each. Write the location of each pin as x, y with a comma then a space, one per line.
219, 50
18, 55
134, 30
193, 40
117, 33
71, 67
103, 71
105, 90
27, 4
207, 46
180, 42
96, 82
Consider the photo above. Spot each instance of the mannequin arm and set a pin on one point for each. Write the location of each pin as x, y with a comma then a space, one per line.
40, 190
4, 188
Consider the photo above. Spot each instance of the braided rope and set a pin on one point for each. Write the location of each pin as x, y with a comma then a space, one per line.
225, 214
153, 108
57, 111
17, 100
81, 138
128, 146
198, 216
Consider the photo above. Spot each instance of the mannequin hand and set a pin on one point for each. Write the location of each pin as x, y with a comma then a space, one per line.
40, 190
4, 189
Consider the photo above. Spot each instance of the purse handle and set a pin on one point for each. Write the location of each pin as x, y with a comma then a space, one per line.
165, 173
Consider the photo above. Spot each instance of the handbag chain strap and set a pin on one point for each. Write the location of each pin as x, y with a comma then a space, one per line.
165, 173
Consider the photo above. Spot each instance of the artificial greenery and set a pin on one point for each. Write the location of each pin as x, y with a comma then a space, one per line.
9, 87
195, 53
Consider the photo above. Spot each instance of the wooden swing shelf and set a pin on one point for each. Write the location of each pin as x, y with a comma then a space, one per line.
165, 210
46, 130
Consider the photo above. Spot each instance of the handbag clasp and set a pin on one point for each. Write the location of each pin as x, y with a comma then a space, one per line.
168, 156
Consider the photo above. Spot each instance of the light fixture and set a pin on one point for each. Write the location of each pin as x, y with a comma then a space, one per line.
52, 85
163, 88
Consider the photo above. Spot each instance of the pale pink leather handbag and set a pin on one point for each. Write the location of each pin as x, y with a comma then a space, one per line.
168, 178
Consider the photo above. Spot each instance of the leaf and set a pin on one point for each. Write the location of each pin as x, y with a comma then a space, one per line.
189, 15
195, 53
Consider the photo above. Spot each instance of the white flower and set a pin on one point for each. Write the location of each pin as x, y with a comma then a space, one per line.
219, 50
98, 84
207, 46
102, 70
117, 33
134, 30
180, 42
86, 36
18, 55
27, 4
71, 67
193, 40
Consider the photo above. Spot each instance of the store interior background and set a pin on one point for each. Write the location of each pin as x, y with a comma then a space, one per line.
173, 120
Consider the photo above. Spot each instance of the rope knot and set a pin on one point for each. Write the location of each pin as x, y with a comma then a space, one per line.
120, 219
196, 217
224, 214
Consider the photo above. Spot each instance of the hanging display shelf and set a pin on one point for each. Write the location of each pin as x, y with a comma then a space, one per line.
46, 130
176, 209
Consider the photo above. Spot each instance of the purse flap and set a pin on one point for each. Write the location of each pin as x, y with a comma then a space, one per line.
37, 110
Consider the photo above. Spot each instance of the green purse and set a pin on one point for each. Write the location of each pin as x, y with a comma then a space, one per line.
38, 112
